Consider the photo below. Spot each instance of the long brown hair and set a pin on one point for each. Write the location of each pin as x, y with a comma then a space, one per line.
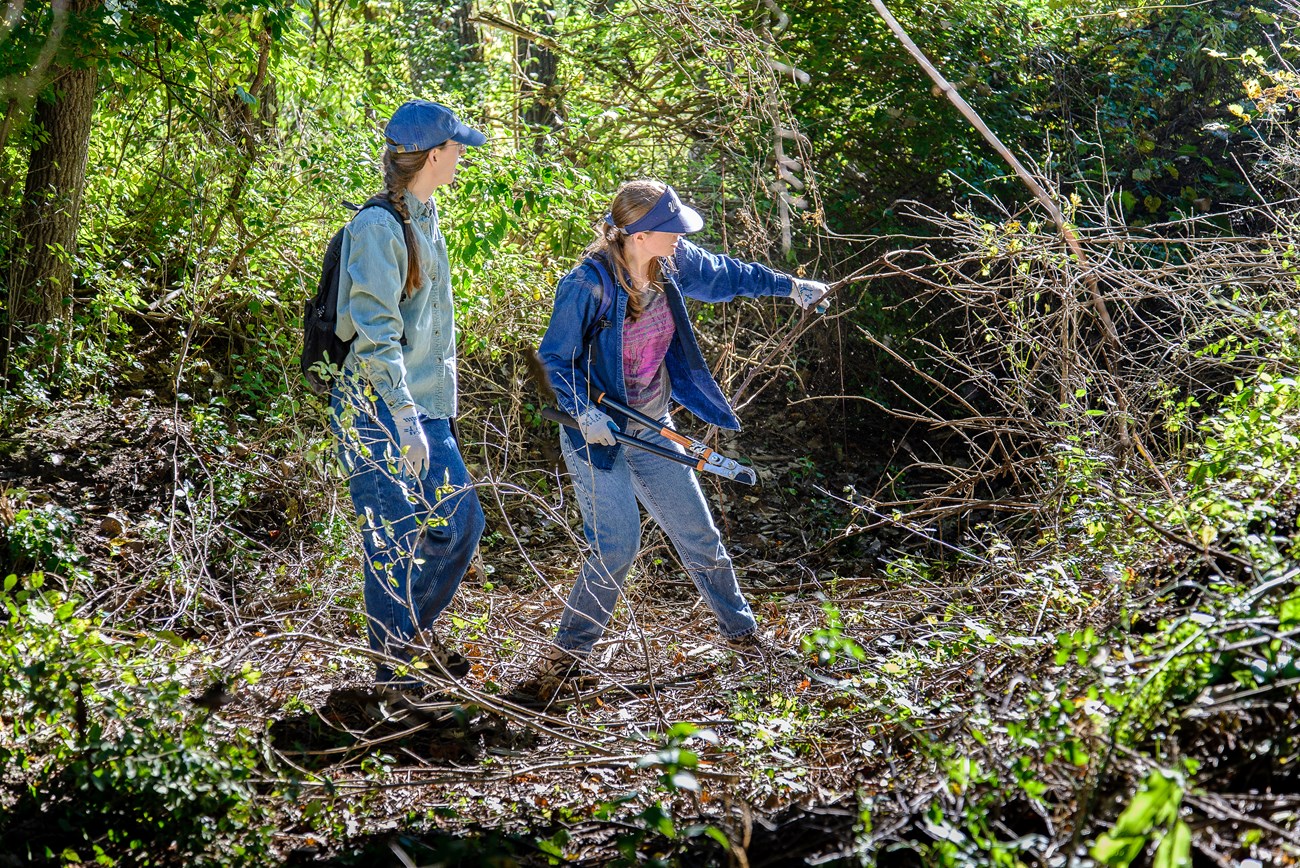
399, 171
632, 201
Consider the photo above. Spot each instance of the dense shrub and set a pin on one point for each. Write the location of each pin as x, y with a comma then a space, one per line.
103, 759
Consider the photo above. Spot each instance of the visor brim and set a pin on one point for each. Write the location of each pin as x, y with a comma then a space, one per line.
685, 222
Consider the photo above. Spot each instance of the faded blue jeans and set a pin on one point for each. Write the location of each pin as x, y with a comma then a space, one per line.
611, 519
419, 535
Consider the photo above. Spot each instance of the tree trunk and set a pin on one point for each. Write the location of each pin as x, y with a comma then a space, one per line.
445, 51
370, 31
471, 46
538, 68
41, 271
11, 113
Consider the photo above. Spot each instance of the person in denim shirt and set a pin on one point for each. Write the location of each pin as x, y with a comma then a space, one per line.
392, 410
644, 355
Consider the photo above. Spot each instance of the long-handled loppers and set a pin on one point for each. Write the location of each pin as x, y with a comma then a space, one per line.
700, 456
709, 460
724, 467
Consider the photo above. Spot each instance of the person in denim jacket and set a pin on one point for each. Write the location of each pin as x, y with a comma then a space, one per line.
392, 410
644, 356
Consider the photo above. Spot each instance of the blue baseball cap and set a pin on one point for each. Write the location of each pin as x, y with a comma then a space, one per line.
418, 125
668, 214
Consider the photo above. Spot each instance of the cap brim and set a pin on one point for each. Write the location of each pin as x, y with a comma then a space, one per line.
467, 135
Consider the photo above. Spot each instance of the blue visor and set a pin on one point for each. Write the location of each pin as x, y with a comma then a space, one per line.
667, 215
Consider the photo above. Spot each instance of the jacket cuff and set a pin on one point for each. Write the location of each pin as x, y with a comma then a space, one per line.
396, 398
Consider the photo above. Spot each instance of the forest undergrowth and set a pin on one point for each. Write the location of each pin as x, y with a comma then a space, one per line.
1026, 525
1015, 638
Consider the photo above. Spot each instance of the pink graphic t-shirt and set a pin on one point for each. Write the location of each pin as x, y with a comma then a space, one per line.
645, 343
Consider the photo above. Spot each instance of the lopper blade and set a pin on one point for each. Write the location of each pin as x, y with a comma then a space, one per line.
729, 468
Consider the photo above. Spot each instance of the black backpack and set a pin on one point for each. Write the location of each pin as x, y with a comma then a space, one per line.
322, 350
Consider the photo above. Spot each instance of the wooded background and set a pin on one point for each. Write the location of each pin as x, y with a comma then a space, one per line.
1028, 508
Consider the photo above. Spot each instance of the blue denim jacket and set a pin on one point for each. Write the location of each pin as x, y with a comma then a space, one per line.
578, 369
405, 347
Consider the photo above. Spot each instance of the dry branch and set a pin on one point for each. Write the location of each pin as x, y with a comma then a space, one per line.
1068, 234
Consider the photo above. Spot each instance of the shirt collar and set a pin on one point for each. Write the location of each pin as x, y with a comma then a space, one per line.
419, 210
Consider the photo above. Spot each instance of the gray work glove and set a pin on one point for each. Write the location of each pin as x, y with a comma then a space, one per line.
807, 292
411, 440
597, 427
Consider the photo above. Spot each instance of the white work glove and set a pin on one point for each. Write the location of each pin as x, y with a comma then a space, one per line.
806, 292
597, 427
411, 441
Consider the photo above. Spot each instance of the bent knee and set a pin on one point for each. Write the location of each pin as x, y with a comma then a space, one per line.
616, 559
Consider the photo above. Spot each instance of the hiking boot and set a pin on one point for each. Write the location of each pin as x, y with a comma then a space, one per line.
754, 646
558, 670
407, 705
442, 662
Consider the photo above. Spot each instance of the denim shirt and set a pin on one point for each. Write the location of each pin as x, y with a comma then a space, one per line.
578, 369
405, 347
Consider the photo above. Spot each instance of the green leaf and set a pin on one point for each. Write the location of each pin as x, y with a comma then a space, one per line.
718, 835
1148, 806
1288, 612
681, 730
658, 819
1119, 851
1175, 850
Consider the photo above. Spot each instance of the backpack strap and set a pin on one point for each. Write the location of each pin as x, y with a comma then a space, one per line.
379, 200
605, 301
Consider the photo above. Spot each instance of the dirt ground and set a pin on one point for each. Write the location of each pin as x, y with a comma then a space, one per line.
165, 545
246, 552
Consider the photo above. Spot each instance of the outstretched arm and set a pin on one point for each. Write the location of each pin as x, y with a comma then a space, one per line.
713, 277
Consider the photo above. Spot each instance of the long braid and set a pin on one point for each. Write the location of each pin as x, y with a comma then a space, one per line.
632, 201
399, 171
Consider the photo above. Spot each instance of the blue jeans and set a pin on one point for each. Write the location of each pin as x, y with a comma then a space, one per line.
419, 535
611, 520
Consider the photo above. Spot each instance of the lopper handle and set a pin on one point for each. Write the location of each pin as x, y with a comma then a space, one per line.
715, 461
626, 439
654, 448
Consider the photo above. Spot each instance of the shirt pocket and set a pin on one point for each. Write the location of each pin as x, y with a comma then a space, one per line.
437, 255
